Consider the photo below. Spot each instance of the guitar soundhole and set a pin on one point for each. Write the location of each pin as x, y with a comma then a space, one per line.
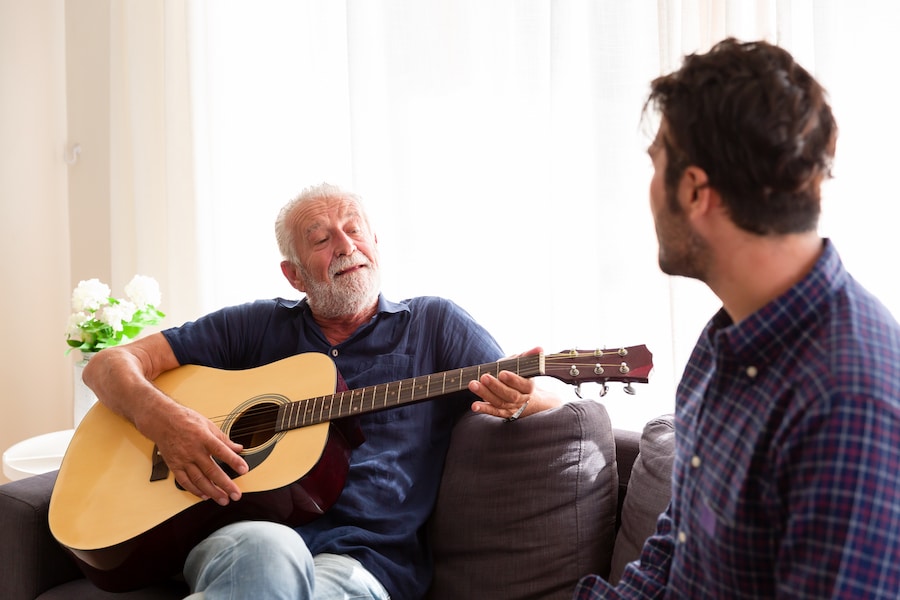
255, 426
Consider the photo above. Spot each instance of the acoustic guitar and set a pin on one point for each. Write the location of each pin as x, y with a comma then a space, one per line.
118, 510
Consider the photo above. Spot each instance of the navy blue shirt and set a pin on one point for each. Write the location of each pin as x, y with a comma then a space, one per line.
394, 475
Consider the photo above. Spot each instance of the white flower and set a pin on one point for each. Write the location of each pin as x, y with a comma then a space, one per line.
116, 314
89, 295
143, 291
99, 321
73, 330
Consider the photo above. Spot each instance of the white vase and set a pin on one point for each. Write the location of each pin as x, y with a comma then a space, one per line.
84, 397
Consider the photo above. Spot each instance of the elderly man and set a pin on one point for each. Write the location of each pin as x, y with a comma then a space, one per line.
370, 543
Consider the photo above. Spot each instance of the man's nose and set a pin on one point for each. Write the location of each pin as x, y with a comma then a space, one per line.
344, 246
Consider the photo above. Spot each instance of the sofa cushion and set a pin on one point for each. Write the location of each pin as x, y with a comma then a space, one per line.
527, 508
31, 559
649, 491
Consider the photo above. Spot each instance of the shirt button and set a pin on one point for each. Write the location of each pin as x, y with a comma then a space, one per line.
682, 537
752, 372
334, 352
695, 461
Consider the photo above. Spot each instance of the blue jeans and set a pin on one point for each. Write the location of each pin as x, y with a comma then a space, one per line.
257, 559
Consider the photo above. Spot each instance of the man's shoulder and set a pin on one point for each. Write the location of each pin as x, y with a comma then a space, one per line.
859, 322
261, 304
236, 315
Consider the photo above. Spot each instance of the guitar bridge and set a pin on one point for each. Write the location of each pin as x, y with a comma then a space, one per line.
160, 469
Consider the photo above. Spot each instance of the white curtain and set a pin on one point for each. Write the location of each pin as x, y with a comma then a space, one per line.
499, 148
153, 210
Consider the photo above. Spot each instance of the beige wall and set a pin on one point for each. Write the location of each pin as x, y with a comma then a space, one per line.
41, 195
88, 106
36, 374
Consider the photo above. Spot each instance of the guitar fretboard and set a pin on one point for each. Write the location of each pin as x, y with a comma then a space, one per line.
320, 409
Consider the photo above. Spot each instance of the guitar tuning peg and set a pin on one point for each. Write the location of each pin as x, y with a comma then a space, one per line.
603, 389
629, 389
578, 391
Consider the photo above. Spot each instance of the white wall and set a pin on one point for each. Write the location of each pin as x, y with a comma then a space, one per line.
36, 375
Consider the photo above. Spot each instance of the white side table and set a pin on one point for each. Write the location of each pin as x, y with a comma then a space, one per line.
36, 455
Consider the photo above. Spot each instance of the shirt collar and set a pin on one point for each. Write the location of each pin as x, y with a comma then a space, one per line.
386, 306
784, 318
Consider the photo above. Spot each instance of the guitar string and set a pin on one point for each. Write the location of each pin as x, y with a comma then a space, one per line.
270, 413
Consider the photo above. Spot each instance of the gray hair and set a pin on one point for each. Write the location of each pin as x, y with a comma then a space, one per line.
284, 225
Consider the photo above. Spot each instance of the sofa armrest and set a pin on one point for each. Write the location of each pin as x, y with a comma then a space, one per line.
32, 560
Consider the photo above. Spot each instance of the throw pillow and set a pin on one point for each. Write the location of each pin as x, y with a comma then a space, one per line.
649, 491
527, 508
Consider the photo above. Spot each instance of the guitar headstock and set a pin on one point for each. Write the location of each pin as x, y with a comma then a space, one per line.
631, 364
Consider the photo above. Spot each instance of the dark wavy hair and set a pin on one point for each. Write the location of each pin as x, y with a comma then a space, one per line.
758, 124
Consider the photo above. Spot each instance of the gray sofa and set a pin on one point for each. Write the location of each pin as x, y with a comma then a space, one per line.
525, 509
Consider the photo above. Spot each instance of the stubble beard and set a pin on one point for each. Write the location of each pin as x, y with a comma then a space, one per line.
681, 251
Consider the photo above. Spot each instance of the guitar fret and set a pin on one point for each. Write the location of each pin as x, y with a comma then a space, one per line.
295, 413
287, 415
282, 413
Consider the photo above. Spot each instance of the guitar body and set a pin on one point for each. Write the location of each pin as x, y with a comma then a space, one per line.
127, 530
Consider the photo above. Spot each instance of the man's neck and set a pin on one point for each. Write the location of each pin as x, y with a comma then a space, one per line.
338, 329
756, 270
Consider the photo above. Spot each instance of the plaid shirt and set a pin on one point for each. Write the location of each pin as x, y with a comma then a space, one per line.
786, 481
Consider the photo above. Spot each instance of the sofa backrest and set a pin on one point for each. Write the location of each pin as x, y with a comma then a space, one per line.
648, 492
527, 508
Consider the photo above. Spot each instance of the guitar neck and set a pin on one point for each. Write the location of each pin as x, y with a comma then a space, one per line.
320, 409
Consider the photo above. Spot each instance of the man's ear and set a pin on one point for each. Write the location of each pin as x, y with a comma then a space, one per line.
292, 274
694, 191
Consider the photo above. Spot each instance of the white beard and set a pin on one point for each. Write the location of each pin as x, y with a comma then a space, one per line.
347, 295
